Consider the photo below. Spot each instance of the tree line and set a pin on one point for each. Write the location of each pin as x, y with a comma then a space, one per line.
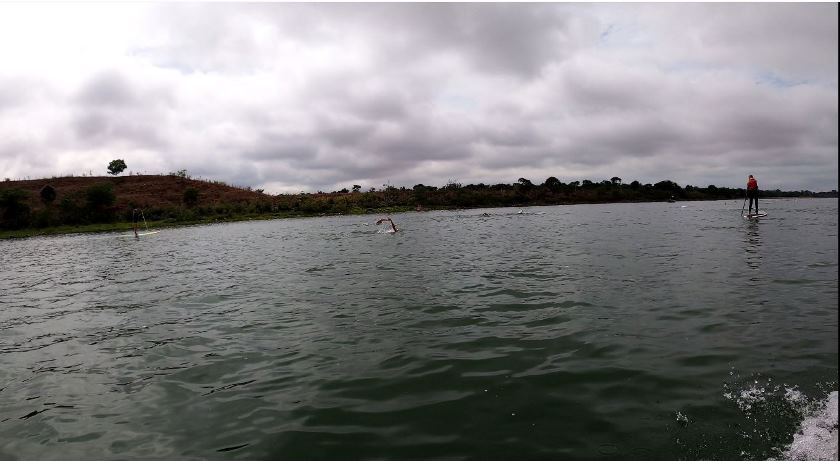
99, 204
523, 192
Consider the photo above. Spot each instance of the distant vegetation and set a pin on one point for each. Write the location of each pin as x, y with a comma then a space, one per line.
176, 198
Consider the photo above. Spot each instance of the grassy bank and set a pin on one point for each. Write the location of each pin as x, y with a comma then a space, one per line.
168, 223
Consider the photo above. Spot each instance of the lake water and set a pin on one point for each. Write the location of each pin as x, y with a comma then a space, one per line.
618, 331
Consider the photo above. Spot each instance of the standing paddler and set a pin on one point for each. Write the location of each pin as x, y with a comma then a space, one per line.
752, 193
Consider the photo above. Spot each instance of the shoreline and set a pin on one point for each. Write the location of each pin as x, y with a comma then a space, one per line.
163, 224
169, 223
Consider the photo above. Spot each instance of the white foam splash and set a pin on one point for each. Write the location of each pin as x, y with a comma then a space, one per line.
750, 397
758, 393
816, 439
794, 396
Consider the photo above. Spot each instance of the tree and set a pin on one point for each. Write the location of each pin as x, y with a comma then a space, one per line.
524, 182
356, 188
615, 180
552, 183
667, 185
452, 184
116, 167
47, 194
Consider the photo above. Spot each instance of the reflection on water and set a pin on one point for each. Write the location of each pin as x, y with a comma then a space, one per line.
571, 332
752, 247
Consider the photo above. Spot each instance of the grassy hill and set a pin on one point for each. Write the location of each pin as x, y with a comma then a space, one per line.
142, 191
99, 203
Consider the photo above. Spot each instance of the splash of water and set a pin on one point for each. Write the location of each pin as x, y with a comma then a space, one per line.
816, 438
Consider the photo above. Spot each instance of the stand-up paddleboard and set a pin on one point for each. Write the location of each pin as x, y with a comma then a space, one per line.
759, 214
138, 212
139, 234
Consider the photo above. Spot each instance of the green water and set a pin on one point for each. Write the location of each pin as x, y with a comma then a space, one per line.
624, 331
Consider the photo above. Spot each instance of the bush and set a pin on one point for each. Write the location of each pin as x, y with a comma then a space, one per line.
191, 196
180, 174
14, 212
99, 199
43, 218
100, 195
262, 207
69, 211
48, 194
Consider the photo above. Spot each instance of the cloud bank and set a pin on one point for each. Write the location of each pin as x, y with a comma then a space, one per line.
306, 97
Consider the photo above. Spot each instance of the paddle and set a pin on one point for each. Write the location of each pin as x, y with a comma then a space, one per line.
745, 203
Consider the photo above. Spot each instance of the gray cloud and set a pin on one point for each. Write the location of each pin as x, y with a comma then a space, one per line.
322, 96
496, 37
109, 108
108, 89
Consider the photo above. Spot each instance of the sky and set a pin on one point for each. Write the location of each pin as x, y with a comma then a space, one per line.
309, 97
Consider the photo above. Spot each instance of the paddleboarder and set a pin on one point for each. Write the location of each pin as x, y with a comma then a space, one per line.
752, 193
134, 222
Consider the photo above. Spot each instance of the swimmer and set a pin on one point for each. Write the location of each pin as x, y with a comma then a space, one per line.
380, 221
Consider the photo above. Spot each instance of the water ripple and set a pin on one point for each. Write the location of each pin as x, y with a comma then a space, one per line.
576, 332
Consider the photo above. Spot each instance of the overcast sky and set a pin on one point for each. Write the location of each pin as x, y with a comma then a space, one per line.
307, 97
